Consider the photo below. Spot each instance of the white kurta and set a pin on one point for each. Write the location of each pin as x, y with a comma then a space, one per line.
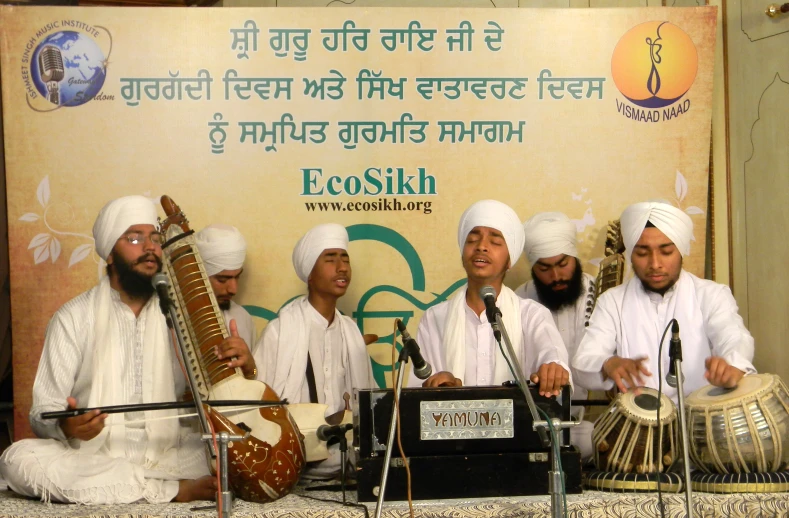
244, 324
570, 320
332, 366
628, 321
541, 343
53, 466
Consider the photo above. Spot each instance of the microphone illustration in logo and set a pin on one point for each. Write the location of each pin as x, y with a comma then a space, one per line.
50, 65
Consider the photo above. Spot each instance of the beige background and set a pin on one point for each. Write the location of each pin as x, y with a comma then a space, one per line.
577, 156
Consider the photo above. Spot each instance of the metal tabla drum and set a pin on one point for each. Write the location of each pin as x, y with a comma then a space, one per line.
629, 438
740, 430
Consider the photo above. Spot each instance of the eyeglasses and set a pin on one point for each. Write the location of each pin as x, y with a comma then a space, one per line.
138, 238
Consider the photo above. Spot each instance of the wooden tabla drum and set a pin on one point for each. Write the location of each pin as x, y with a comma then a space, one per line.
740, 430
628, 438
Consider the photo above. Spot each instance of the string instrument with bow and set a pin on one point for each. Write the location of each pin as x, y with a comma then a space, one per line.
267, 463
612, 272
612, 267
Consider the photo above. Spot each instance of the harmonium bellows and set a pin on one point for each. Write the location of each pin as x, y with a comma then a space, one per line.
460, 442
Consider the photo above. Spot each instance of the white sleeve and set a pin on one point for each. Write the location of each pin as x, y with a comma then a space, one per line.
598, 344
725, 329
429, 340
541, 342
60, 361
266, 351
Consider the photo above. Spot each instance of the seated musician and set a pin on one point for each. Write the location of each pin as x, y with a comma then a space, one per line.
621, 343
455, 336
311, 353
110, 346
559, 283
223, 250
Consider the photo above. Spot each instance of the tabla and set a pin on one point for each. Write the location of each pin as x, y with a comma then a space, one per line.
628, 438
740, 430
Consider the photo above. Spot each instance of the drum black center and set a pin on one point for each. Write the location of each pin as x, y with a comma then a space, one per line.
646, 402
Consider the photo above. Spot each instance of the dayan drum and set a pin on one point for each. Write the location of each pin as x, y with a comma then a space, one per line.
629, 438
740, 430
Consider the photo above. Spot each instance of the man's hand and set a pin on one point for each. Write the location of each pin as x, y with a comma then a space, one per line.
625, 372
551, 377
721, 374
83, 427
203, 488
237, 350
442, 379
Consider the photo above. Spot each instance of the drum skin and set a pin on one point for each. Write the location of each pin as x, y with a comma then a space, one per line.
740, 430
628, 438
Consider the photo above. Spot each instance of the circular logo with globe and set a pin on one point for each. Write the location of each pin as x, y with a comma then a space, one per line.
68, 68
654, 64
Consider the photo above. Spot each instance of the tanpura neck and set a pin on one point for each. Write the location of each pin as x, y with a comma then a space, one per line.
325, 305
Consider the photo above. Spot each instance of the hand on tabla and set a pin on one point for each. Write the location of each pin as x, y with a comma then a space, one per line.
626, 372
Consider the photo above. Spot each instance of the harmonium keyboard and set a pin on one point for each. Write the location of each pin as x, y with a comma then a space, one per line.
465, 442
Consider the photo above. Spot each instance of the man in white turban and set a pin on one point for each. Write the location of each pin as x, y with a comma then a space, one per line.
223, 251
559, 283
456, 337
311, 353
621, 344
110, 346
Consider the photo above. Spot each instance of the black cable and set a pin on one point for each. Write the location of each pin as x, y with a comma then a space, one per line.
660, 428
345, 504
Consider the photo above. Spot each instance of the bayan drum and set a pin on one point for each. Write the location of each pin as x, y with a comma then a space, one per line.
628, 438
740, 430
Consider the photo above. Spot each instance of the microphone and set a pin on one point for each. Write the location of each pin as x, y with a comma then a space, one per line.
422, 369
161, 283
326, 432
674, 354
50, 66
488, 295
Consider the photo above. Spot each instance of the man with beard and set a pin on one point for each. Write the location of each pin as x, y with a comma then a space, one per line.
456, 337
621, 344
559, 283
311, 353
223, 250
110, 346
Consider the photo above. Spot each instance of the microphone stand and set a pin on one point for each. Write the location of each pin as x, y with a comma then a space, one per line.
172, 318
683, 426
555, 475
403, 359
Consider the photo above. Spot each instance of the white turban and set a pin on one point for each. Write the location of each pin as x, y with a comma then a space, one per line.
670, 220
222, 247
311, 246
117, 216
493, 214
549, 234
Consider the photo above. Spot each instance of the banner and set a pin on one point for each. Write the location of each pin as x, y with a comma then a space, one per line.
388, 121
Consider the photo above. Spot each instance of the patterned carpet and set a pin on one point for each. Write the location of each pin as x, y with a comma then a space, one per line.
591, 504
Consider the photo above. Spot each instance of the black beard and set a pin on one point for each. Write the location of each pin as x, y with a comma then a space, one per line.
224, 305
555, 300
663, 291
134, 283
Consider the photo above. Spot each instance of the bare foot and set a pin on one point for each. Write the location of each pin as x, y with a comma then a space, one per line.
203, 488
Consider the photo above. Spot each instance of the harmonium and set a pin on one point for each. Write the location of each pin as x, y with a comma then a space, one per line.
465, 442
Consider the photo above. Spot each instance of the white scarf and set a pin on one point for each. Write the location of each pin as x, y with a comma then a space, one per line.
158, 382
641, 332
293, 348
454, 345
